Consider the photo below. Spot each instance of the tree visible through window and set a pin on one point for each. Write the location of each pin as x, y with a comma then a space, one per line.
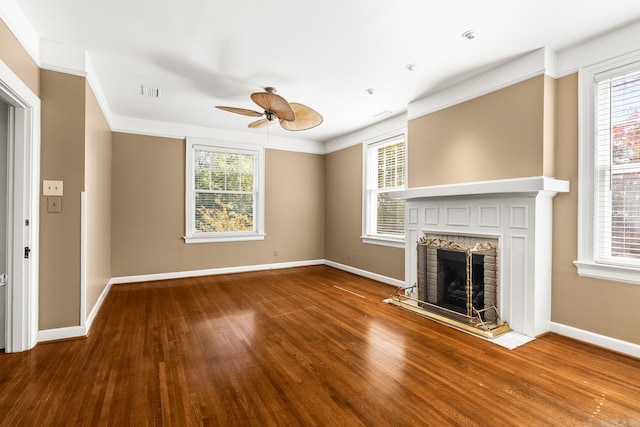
390, 215
385, 172
618, 211
223, 191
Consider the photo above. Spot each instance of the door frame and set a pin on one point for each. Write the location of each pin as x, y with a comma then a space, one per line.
23, 201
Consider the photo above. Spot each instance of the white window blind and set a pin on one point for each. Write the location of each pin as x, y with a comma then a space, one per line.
224, 191
386, 172
617, 158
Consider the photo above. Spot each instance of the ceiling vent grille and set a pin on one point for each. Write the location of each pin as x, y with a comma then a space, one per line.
152, 92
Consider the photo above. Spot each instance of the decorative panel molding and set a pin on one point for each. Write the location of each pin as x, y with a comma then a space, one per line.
489, 216
519, 217
431, 216
413, 215
457, 216
518, 274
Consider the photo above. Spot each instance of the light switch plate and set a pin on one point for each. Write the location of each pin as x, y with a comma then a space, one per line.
52, 188
54, 204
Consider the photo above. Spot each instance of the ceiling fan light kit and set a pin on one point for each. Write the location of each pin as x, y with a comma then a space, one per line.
292, 116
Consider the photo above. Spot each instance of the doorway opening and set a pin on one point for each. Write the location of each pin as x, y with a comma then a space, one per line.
20, 208
4, 205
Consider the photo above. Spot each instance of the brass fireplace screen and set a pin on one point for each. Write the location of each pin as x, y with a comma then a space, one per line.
457, 285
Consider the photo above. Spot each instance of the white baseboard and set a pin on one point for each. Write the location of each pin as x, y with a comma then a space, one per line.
98, 304
604, 341
74, 331
62, 333
214, 271
367, 274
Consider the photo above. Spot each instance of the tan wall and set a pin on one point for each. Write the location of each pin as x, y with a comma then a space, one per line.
495, 136
549, 127
62, 158
18, 60
604, 307
343, 218
98, 198
294, 206
148, 211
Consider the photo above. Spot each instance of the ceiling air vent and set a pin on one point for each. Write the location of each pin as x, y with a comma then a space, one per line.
152, 92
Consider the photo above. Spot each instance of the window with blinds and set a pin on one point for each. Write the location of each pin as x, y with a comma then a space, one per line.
223, 191
224, 188
617, 155
386, 165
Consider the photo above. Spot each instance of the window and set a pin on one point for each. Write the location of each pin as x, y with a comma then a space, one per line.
384, 171
609, 219
224, 197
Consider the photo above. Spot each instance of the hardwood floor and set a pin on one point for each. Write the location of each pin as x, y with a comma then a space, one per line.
306, 346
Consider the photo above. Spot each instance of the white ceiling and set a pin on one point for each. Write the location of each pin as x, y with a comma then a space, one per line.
202, 53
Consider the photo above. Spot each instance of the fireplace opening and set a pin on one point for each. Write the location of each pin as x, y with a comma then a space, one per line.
458, 279
454, 293
457, 283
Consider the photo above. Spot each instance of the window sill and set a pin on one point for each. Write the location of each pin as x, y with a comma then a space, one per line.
224, 239
383, 241
608, 272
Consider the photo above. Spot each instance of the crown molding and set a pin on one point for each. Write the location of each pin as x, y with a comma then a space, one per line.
63, 58
393, 125
612, 44
182, 131
532, 64
20, 26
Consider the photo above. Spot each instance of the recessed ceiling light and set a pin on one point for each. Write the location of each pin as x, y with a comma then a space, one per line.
470, 34
370, 91
411, 67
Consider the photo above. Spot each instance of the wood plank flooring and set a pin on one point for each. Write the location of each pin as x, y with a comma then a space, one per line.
310, 346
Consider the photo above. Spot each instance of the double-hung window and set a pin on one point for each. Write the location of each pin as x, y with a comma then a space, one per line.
224, 197
609, 244
385, 170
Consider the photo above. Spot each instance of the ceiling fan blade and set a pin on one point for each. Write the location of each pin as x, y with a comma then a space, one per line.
259, 123
274, 103
242, 111
306, 118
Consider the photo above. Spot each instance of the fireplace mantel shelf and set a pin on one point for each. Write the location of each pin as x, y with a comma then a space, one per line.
531, 185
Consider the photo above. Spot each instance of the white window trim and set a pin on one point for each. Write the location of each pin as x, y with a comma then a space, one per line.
259, 232
372, 239
586, 263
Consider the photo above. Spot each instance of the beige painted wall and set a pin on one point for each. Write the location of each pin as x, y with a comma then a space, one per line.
97, 177
343, 218
18, 60
62, 158
604, 307
495, 136
549, 127
148, 184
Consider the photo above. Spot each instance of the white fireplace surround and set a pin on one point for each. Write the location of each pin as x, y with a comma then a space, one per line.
518, 213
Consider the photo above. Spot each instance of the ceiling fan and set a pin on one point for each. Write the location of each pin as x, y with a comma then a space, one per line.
292, 115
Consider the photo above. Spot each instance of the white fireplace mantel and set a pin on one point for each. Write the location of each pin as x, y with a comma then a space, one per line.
518, 213
501, 186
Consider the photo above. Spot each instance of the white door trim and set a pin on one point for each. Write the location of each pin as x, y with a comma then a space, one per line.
24, 205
